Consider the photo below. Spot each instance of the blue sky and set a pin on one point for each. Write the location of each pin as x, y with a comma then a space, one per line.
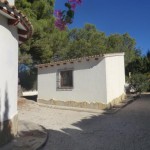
115, 16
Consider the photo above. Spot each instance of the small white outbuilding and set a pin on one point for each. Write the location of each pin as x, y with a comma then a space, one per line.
90, 82
14, 29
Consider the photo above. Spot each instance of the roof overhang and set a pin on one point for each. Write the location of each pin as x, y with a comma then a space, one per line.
16, 18
71, 61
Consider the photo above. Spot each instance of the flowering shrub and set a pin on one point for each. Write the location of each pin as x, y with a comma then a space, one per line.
65, 17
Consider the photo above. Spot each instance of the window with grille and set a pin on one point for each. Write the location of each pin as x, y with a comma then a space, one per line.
65, 79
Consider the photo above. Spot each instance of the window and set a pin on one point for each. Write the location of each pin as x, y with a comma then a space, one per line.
65, 79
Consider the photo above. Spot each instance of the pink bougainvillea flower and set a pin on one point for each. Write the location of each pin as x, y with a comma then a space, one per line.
75, 1
78, 1
58, 13
60, 24
65, 17
71, 1
73, 6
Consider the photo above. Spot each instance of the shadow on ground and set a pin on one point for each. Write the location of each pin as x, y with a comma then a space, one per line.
33, 98
128, 129
30, 137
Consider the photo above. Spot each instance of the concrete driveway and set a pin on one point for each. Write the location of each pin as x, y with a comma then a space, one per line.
128, 129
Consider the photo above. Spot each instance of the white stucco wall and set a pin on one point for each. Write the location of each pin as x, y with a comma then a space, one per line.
89, 82
115, 75
9, 69
94, 81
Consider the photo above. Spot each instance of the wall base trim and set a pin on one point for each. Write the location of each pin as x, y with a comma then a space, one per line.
8, 130
92, 105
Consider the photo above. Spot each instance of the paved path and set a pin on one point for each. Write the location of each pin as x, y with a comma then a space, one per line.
128, 129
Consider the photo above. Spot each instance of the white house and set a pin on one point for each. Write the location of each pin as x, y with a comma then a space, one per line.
14, 29
90, 82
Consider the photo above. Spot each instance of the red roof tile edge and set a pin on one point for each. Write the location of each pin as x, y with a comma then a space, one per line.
96, 57
10, 10
87, 58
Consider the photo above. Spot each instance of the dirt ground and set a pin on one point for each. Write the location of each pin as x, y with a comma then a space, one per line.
128, 129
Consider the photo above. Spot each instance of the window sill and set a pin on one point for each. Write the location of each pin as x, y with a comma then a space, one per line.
65, 89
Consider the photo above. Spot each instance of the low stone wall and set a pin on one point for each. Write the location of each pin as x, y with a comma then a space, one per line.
96, 105
8, 130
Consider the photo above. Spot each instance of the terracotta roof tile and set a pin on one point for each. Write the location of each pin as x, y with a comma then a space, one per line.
64, 62
88, 58
11, 10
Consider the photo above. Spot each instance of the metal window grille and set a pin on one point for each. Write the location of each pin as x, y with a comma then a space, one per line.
65, 79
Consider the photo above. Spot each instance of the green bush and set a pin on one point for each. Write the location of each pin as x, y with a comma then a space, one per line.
140, 82
28, 79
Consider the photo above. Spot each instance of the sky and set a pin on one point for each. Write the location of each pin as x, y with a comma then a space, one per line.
115, 16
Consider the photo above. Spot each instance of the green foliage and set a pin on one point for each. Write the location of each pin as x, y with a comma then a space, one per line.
50, 44
140, 70
28, 79
141, 64
84, 42
135, 66
47, 42
122, 43
39, 13
25, 58
139, 82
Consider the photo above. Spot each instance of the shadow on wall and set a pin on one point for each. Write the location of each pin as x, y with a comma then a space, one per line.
6, 126
77, 66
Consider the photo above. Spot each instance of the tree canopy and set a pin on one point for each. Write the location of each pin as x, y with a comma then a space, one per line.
50, 44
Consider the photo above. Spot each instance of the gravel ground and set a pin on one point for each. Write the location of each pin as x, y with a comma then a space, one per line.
128, 129
51, 117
